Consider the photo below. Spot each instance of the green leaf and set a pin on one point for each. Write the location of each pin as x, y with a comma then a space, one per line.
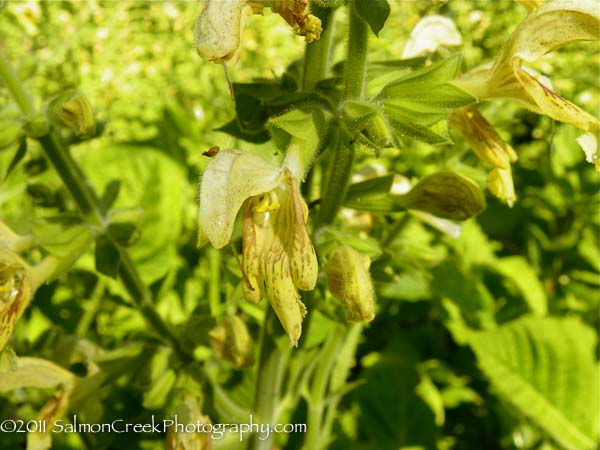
111, 192
373, 12
10, 132
306, 126
107, 257
377, 185
67, 243
388, 398
148, 172
416, 131
545, 368
423, 97
467, 292
371, 195
124, 233
518, 270
19, 155
423, 79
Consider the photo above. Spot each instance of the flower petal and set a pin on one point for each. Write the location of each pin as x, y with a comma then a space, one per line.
500, 183
553, 25
283, 296
218, 29
252, 280
430, 33
482, 137
303, 262
551, 104
230, 178
15, 292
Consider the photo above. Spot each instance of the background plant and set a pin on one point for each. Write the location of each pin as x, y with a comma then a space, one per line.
482, 341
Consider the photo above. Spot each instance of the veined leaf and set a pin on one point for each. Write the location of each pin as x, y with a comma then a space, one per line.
545, 368
434, 75
526, 280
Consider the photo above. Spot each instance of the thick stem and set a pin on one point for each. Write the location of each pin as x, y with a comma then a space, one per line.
317, 53
315, 439
271, 367
88, 204
342, 158
339, 171
356, 62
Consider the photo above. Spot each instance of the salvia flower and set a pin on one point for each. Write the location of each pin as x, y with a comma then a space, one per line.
278, 255
547, 28
218, 29
489, 146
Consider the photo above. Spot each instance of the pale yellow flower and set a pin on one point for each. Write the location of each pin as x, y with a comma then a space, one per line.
219, 27
490, 148
278, 255
544, 30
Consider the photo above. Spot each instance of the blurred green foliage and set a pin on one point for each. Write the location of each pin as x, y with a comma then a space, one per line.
485, 341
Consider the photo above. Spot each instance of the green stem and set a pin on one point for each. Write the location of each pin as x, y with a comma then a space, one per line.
317, 53
14, 86
314, 439
89, 206
63, 163
271, 367
356, 62
342, 157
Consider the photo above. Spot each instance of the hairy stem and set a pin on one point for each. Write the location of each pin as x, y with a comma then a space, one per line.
317, 53
356, 62
342, 157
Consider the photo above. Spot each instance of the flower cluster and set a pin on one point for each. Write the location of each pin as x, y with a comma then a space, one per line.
278, 255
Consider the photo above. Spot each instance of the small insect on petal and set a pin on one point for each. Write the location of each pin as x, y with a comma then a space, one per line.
211, 152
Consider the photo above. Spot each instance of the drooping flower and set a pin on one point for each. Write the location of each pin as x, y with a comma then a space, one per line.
490, 148
278, 255
218, 29
546, 29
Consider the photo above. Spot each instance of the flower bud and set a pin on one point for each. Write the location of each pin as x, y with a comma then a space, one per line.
231, 341
15, 292
349, 281
188, 412
445, 194
367, 123
77, 114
